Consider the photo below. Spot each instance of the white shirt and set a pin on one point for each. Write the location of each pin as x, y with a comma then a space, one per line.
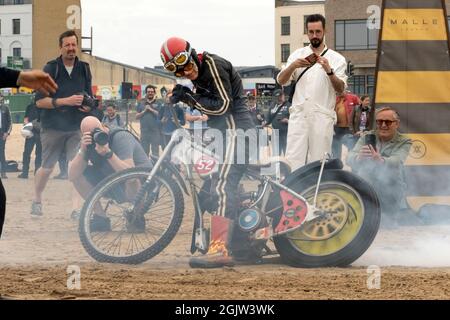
315, 85
69, 70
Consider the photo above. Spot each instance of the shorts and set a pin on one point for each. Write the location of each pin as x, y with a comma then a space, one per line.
55, 142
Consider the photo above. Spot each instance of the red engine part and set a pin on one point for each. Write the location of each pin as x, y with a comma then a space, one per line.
294, 213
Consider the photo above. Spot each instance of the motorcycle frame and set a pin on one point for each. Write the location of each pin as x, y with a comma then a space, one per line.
268, 183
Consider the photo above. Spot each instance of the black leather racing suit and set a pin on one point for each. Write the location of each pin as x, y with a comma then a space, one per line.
220, 95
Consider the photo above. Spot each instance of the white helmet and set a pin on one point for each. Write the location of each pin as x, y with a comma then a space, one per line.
27, 130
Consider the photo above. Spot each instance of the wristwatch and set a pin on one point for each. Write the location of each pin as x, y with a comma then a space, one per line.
108, 155
331, 72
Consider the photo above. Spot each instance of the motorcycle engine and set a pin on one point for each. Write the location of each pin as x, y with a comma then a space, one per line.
251, 220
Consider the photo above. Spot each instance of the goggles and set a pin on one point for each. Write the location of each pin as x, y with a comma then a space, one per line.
180, 72
179, 60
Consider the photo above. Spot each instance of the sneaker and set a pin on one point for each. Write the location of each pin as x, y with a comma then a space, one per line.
36, 209
100, 224
137, 225
22, 176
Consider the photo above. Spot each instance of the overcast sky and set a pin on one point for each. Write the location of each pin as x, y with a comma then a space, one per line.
242, 31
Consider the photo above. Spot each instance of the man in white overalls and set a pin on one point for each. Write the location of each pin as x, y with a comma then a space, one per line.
312, 115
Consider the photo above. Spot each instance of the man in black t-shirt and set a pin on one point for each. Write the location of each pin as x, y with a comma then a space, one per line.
32, 116
61, 114
148, 115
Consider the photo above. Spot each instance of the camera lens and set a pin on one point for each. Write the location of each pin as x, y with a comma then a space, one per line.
100, 137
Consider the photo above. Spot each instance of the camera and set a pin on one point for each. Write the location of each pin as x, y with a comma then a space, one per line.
100, 137
89, 101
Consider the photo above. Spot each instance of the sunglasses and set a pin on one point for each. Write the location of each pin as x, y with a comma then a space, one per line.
179, 60
180, 72
387, 122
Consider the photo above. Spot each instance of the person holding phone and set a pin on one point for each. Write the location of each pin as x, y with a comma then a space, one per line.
318, 73
379, 158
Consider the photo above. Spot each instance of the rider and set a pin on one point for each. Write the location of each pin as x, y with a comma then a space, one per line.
219, 94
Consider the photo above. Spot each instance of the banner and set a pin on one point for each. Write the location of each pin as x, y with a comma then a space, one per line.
413, 76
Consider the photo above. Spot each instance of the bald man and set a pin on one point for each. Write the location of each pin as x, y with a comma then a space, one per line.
94, 161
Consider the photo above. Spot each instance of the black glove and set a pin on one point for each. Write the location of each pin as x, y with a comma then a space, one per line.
181, 93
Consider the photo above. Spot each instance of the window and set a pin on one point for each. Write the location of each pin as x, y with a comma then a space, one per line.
362, 84
17, 52
305, 29
16, 26
285, 26
285, 52
354, 35
370, 85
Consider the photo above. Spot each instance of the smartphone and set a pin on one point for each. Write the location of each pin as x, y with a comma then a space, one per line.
312, 58
371, 139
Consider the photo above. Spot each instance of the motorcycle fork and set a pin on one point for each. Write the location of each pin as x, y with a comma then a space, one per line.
140, 195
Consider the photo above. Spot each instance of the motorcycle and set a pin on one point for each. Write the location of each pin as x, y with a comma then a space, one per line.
316, 216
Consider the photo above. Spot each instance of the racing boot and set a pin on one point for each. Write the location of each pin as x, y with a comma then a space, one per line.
217, 255
243, 250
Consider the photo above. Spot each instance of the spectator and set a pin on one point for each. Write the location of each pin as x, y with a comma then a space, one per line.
255, 112
112, 118
62, 113
383, 166
320, 73
279, 118
5, 130
345, 104
94, 162
148, 115
166, 117
32, 116
361, 120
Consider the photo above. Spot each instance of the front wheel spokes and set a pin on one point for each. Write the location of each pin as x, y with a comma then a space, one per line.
144, 199
127, 220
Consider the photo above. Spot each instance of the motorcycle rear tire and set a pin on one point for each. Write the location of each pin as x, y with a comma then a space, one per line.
350, 242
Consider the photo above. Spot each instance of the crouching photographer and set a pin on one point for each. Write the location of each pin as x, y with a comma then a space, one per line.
104, 151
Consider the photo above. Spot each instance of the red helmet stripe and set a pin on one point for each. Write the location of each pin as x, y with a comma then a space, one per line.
167, 52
